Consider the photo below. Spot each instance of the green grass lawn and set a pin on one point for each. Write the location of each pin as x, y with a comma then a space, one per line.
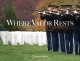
33, 53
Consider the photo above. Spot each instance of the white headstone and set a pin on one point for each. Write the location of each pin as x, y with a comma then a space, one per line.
4, 37
14, 38
42, 38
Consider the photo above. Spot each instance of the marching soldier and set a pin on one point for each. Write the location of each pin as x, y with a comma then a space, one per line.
77, 29
69, 31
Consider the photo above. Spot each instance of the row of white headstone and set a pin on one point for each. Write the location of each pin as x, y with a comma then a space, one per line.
23, 37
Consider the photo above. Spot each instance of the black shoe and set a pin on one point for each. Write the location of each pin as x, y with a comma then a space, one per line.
49, 49
70, 52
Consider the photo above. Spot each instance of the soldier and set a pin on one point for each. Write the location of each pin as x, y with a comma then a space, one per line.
77, 29
48, 30
61, 31
69, 31
51, 35
55, 39
44, 15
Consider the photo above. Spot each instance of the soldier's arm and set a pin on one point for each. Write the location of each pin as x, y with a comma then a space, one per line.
42, 16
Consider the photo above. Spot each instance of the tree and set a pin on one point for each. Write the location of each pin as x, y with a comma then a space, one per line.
10, 15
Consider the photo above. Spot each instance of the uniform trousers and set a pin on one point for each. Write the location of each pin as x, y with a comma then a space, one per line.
69, 42
77, 43
52, 40
62, 41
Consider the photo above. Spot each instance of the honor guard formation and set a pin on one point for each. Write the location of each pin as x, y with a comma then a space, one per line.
66, 38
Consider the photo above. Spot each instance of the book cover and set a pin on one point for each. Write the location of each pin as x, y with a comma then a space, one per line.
39, 30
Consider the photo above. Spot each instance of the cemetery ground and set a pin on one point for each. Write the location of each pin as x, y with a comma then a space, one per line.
33, 53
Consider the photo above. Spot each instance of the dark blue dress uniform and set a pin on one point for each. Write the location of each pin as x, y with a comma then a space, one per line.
49, 42
52, 36
61, 33
49, 33
55, 39
77, 33
69, 35
62, 30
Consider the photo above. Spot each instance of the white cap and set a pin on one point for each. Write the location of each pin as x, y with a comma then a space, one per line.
75, 11
67, 12
44, 12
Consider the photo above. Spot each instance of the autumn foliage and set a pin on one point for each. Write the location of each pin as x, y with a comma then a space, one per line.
26, 10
